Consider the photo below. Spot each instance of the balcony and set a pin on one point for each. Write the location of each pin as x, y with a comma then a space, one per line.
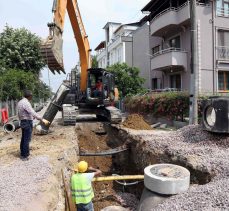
101, 54
169, 18
171, 57
223, 53
118, 41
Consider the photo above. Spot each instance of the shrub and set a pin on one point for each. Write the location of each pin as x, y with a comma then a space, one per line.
171, 105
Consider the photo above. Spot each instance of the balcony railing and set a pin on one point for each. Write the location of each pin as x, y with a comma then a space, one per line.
223, 52
167, 50
168, 58
170, 9
224, 12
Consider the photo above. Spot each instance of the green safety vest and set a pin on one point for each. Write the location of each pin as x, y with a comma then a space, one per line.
82, 191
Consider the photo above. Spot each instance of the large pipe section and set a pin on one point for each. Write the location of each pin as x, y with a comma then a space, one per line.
53, 108
11, 126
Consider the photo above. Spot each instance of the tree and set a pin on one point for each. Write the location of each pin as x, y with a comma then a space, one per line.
13, 82
20, 49
42, 91
127, 79
20, 64
94, 62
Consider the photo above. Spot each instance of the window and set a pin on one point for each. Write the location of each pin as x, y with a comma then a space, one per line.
155, 49
174, 42
223, 38
154, 83
119, 59
175, 81
223, 80
222, 8
111, 58
223, 45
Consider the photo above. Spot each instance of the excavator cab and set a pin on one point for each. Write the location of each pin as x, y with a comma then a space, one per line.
100, 87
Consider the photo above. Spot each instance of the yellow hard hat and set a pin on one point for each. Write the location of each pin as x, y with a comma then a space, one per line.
82, 166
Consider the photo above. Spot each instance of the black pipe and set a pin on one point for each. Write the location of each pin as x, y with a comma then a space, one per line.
53, 108
105, 153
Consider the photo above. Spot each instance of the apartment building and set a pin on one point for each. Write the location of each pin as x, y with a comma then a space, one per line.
169, 51
117, 46
142, 52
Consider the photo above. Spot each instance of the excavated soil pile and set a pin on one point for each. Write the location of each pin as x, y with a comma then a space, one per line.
136, 121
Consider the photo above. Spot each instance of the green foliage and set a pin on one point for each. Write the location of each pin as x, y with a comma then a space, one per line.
171, 105
20, 64
2, 67
12, 82
94, 62
127, 79
42, 91
20, 49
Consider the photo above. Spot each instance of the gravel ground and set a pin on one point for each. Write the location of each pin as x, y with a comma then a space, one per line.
202, 151
127, 200
22, 179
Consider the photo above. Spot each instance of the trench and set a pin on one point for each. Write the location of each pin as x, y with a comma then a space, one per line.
98, 137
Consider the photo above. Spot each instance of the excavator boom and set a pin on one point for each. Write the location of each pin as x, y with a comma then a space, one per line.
52, 47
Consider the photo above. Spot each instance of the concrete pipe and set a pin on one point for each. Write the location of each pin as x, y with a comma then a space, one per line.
11, 126
149, 200
53, 108
114, 208
166, 178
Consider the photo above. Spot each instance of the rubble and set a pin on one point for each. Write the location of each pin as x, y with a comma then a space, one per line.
205, 154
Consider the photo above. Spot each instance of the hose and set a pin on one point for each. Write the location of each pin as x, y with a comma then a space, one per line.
111, 178
105, 153
125, 183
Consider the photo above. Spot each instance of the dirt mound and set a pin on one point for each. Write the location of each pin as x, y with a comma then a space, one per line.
136, 121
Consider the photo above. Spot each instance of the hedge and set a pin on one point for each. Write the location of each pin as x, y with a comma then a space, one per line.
171, 105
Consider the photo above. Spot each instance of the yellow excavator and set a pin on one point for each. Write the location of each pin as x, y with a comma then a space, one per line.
79, 93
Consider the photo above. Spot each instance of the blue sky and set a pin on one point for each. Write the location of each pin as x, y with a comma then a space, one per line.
35, 14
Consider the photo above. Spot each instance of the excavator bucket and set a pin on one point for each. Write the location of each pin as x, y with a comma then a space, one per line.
52, 51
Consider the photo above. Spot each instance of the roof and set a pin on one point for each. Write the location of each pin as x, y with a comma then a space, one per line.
108, 23
101, 45
149, 6
128, 24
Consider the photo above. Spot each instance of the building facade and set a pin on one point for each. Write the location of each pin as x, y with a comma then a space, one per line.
170, 46
118, 44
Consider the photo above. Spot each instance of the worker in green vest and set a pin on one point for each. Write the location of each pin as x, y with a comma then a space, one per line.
81, 187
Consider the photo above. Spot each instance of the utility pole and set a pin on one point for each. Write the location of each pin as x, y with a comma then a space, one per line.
193, 108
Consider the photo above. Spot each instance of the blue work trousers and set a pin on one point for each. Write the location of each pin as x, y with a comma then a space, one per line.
27, 129
85, 207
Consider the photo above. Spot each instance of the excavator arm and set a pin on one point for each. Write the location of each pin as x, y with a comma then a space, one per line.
52, 50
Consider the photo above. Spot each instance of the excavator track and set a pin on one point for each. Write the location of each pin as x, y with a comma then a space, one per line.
114, 115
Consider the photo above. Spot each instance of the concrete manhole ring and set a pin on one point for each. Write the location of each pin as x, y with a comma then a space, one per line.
166, 178
114, 208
